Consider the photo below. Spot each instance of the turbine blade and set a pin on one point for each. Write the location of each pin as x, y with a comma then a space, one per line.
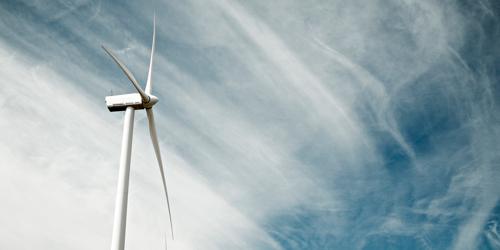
148, 83
154, 139
145, 97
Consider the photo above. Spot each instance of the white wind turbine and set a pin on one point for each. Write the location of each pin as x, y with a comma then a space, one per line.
129, 103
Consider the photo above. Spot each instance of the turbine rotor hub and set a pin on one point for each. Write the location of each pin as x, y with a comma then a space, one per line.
152, 101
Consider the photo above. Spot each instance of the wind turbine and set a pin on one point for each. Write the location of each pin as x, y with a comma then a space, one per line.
129, 103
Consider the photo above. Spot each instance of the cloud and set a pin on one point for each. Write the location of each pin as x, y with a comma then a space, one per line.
291, 125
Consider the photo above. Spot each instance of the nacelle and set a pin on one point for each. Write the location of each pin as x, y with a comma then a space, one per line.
121, 102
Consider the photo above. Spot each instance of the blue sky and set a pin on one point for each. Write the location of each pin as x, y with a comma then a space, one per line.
284, 125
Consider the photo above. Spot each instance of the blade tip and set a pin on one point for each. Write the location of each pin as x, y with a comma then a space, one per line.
105, 48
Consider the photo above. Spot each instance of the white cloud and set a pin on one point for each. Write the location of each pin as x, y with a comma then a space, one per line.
281, 123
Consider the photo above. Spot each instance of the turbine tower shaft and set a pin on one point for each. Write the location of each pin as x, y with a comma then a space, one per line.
120, 219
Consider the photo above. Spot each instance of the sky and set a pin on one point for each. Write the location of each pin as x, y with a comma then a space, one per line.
282, 124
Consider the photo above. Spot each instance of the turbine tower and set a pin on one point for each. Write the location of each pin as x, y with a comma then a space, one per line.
129, 103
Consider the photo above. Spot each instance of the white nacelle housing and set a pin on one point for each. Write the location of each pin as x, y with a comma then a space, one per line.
121, 102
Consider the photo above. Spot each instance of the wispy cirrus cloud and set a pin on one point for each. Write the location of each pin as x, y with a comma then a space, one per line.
291, 125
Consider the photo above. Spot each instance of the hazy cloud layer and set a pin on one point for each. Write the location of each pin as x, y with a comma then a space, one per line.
286, 125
